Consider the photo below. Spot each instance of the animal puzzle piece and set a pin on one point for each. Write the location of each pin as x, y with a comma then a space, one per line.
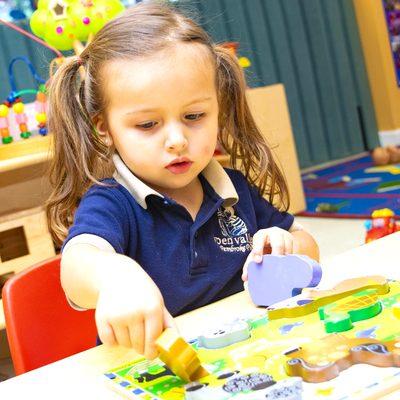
254, 386
226, 335
312, 299
339, 316
324, 359
279, 277
179, 356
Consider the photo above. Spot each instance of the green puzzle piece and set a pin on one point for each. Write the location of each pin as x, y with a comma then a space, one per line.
340, 315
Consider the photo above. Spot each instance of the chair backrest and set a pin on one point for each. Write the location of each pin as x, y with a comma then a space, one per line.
41, 326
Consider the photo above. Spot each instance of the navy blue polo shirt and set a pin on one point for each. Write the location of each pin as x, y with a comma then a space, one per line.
192, 262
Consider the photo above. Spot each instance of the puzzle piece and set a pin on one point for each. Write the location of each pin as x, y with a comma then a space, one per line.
179, 356
339, 316
280, 277
255, 386
323, 359
226, 335
312, 299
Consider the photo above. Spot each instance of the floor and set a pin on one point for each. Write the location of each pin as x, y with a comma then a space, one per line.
333, 236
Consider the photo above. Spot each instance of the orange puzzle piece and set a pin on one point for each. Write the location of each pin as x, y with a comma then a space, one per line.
325, 358
318, 298
179, 356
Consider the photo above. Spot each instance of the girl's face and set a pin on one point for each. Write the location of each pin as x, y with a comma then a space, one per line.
162, 114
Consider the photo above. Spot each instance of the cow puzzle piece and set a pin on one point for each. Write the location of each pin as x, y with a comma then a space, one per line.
179, 356
225, 335
279, 277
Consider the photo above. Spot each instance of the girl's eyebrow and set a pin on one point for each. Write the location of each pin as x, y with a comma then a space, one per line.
143, 110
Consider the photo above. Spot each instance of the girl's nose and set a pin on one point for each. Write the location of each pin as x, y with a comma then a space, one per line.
176, 139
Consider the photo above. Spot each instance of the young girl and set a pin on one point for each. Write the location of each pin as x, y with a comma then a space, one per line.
171, 230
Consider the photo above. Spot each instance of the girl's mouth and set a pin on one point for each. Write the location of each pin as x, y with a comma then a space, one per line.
179, 167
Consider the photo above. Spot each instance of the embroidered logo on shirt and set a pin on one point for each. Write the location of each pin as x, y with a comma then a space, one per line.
234, 231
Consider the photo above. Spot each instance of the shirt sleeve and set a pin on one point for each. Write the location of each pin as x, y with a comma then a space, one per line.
267, 215
101, 213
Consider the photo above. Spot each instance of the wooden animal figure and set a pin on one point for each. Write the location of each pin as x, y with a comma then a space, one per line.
179, 356
280, 277
325, 358
340, 315
225, 335
312, 299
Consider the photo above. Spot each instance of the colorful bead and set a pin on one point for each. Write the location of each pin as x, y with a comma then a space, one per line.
3, 123
86, 20
3, 111
18, 108
21, 118
41, 118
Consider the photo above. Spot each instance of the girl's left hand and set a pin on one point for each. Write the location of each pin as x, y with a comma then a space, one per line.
273, 240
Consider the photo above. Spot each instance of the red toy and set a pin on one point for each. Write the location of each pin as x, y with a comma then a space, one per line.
382, 223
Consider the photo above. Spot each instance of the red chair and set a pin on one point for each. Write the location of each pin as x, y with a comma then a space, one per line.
41, 326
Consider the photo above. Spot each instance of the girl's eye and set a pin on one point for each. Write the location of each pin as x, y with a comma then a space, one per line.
147, 125
194, 117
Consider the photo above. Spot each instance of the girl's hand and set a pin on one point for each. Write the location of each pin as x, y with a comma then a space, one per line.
131, 312
269, 241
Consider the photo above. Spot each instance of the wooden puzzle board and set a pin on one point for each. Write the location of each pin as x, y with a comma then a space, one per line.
263, 354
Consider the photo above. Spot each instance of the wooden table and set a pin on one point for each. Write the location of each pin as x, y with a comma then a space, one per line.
80, 376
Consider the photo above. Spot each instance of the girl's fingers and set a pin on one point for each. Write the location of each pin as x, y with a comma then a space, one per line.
260, 239
122, 335
106, 333
288, 244
169, 321
153, 327
136, 335
246, 266
277, 241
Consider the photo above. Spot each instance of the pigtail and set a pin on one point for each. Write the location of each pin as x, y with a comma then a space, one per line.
78, 152
240, 136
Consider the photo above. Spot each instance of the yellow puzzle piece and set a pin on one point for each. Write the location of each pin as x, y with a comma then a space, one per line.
179, 356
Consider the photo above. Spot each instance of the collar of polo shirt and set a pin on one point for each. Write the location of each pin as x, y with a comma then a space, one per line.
213, 172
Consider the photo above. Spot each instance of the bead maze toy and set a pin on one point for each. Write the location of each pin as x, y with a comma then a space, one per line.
277, 278
13, 112
288, 357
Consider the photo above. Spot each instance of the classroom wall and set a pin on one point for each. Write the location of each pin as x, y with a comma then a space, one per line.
311, 47
380, 68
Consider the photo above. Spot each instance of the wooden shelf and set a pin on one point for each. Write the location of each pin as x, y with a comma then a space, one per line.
24, 153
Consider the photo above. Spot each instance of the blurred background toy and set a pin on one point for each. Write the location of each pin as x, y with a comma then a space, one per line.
382, 223
64, 24
386, 155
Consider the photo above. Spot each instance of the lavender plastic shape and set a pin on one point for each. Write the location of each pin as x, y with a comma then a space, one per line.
278, 278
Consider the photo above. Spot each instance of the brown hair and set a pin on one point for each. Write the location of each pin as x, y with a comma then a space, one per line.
81, 158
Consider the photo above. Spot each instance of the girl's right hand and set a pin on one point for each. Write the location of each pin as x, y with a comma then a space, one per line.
131, 312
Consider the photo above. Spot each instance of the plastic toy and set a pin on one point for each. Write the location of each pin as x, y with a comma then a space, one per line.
311, 300
257, 367
225, 335
279, 277
341, 315
381, 224
324, 359
64, 24
179, 356
14, 107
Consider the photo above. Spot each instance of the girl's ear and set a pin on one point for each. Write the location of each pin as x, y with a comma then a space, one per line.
102, 130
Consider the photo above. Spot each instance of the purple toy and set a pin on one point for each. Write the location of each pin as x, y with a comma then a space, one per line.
278, 278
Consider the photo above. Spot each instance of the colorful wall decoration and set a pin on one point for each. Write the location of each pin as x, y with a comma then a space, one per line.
392, 14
